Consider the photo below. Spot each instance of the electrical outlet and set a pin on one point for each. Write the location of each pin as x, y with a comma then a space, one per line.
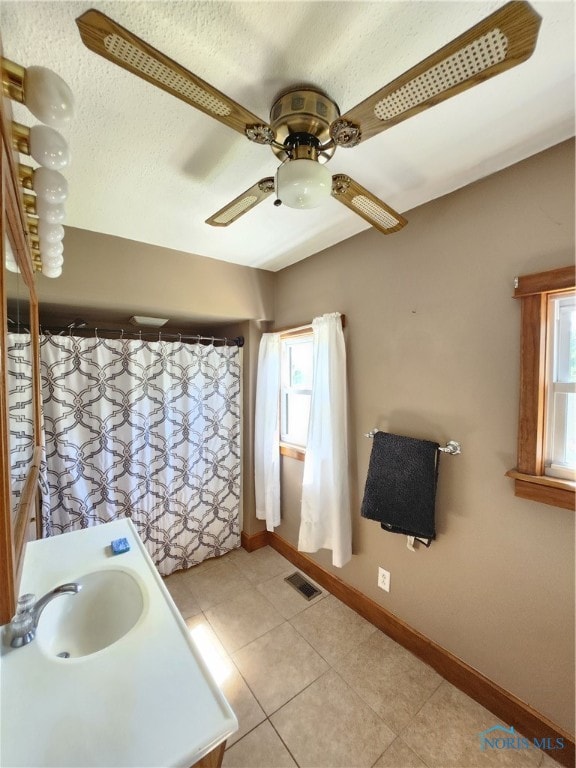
384, 579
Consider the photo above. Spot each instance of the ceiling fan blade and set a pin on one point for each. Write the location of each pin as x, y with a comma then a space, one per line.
367, 205
501, 41
243, 203
108, 39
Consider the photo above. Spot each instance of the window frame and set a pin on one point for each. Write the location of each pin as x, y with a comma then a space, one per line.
530, 482
558, 383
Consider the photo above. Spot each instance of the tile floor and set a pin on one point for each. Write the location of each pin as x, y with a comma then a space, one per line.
315, 685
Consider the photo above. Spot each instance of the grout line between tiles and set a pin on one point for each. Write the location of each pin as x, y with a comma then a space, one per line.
283, 742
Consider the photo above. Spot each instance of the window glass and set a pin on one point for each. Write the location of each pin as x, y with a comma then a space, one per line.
560, 448
296, 392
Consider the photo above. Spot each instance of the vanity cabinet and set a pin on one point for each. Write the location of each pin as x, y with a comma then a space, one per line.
14, 235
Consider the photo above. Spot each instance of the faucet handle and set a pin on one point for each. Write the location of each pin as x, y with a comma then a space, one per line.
25, 603
22, 625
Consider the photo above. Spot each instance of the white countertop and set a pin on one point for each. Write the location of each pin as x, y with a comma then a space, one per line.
146, 700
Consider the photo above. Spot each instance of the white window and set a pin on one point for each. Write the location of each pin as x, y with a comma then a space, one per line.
296, 388
560, 445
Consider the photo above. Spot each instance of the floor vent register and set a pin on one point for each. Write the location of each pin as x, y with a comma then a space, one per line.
309, 591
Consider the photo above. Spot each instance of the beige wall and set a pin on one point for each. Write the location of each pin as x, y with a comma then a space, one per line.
113, 274
433, 344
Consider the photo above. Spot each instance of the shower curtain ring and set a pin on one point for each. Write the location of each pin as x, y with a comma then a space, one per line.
95, 333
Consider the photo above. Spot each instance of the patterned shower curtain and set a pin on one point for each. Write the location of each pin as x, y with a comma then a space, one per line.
145, 430
21, 408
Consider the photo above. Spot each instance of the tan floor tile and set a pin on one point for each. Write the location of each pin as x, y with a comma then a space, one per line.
242, 619
259, 749
261, 565
182, 596
328, 725
332, 628
285, 598
242, 701
399, 755
446, 734
390, 679
225, 673
216, 582
209, 646
279, 665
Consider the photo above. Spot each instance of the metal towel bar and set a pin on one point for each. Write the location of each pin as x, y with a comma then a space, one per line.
451, 447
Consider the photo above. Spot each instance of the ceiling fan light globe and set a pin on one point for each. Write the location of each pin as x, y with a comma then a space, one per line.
47, 96
303, 183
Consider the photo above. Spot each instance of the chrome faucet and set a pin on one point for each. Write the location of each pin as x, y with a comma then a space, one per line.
24, 624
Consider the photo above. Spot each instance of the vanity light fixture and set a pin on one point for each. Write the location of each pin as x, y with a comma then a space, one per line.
49, 271
49, 233
44, 144
49, 99
53, 214
48, 184
44, 92
53, 252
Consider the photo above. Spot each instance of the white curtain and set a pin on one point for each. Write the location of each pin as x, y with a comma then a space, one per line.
146, 430
267, 432
325, 514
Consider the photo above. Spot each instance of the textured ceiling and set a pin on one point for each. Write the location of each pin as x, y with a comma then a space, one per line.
150, 168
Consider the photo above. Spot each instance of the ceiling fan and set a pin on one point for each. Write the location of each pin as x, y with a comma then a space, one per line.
306, 126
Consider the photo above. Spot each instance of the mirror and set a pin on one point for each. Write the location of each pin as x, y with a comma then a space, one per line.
21, 437
18, 496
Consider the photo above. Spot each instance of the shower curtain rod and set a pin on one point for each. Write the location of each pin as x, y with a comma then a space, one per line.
159, 334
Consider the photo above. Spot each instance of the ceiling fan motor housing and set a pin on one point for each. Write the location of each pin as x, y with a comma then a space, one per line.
300, 112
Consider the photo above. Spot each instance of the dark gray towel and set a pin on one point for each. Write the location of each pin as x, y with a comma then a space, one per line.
400, 491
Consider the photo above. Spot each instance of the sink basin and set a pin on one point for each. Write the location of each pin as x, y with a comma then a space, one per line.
106, 608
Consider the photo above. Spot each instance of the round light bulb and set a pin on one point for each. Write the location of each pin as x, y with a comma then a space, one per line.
48, 147
53, 214
51, 271
50, 185
52, 262
50, 233
53, 251
303, 183
47, 96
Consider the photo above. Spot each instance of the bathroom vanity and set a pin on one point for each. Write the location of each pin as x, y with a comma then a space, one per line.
112, 677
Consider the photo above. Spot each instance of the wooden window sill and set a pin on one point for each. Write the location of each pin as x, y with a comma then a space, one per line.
292, 451
547, 490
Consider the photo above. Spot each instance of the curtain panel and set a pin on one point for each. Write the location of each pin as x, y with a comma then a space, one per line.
325, 521
267, 432
146, 430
